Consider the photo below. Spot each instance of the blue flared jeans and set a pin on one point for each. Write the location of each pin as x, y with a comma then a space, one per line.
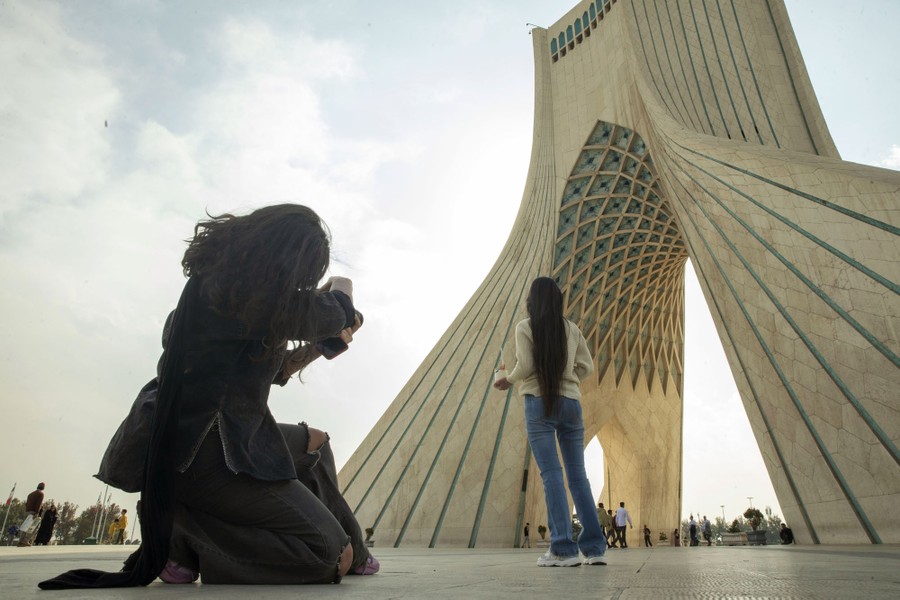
565, 426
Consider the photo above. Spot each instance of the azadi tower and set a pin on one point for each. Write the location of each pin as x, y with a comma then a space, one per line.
665, 131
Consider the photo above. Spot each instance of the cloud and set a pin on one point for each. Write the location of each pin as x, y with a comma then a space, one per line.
53, 103
93, 218
893, 159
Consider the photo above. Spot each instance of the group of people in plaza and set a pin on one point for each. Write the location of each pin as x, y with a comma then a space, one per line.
694, 530
37, 527
40, 521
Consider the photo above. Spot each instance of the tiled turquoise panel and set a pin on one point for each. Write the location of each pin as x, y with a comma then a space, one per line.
590, 209
638, 147
561, 278
640, 190
586, 234
602, 185
563, 250
614, 207
601, 247
587, 161
575, 190
582, 258
591, 294
567, 219
600, 135
645, 174
622, 137
630, 166
612, 161
577, 284
606, 226
621, 239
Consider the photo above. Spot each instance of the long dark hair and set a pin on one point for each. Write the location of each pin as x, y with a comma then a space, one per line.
548, 330
261, 268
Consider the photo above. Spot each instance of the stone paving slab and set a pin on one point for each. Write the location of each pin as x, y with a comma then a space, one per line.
814, 572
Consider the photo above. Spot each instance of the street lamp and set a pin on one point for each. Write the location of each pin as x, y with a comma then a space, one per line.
723, 514
750, 499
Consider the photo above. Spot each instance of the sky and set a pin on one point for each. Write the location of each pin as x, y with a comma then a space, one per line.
405, 125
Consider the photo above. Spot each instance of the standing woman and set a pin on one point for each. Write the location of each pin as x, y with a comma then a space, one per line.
220, 495
552, 358
48, 522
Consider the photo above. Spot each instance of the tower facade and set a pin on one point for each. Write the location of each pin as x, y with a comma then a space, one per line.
665, 131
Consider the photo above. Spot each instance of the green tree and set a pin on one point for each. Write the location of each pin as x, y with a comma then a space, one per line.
66, 522
754, 516
82, 526
15, 516
772, 525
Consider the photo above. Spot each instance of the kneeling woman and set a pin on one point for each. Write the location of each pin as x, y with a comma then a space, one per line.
221, 495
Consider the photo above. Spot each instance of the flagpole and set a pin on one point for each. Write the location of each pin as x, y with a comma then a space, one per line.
94, 525
102, 528
8, 506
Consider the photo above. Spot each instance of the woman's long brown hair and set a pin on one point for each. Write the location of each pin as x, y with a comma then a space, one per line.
261, 268
548, 330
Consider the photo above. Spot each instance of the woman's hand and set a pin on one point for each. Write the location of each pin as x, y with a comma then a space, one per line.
298, 359
502, 384
338, 284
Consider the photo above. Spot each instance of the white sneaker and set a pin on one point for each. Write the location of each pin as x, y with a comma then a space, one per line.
548, 559
594, 560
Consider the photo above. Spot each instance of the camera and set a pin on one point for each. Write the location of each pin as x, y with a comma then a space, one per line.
331, 347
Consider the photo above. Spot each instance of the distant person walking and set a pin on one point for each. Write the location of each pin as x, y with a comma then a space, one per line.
647, 541
527, 542
676, 538
692, 529
552, 357
706, 527
111, 531
33, 506
605, 520
122, 527
622, 517
45, 531
611, 530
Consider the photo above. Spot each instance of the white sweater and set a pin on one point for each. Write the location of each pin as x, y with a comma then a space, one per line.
579, 363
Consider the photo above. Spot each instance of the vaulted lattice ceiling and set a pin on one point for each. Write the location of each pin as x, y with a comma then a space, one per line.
619, 259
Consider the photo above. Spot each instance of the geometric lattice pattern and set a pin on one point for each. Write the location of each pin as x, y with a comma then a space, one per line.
619, 258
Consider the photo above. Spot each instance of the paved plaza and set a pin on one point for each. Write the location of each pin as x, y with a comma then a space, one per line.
717, 572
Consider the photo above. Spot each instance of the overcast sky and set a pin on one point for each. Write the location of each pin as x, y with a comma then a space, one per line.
406, 125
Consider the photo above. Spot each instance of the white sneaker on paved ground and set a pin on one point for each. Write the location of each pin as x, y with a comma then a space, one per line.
594, 560
548, 559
